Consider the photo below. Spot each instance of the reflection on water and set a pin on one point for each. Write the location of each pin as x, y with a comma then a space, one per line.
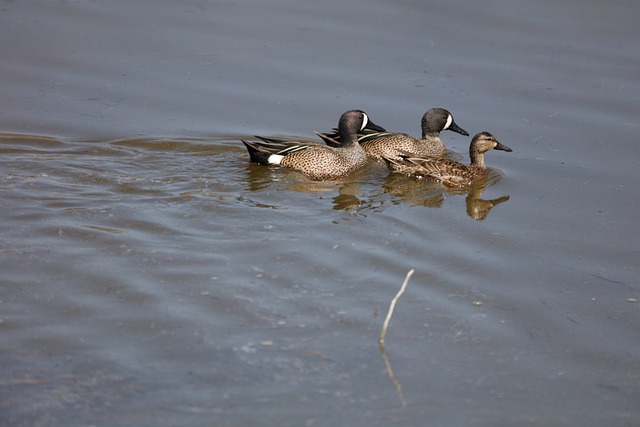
346, 194
361, 192
414, 191
392, 376
477, 207
420, 192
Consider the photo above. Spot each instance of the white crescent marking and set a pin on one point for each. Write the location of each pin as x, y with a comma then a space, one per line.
449, 121
365, 120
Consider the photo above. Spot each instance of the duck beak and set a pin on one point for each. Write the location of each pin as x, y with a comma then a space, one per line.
373, 126
502, 147
454, 127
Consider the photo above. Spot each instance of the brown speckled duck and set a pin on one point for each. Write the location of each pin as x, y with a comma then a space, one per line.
447, 171
319, 162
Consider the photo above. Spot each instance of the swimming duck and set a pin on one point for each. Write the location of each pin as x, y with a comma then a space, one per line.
319, 162
379, 144
450, 172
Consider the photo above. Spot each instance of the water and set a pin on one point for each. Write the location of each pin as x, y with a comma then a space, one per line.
152, 276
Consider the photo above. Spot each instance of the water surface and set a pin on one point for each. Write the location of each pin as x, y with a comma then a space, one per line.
152, 276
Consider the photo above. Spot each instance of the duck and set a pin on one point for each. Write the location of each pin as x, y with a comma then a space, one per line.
318, 162
379, 144
449, 172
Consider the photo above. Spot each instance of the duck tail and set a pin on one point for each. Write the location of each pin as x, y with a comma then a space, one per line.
257, 153
330, 139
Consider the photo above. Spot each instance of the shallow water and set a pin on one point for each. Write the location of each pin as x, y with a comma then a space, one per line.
152, 276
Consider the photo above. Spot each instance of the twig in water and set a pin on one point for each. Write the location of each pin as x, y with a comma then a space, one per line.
385, 326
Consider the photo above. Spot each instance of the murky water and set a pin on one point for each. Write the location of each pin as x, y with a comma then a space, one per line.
152, 276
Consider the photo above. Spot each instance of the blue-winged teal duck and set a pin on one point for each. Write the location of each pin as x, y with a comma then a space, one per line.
319, 162
447, 171
390, 144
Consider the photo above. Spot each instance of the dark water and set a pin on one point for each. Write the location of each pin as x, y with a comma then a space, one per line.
152, 276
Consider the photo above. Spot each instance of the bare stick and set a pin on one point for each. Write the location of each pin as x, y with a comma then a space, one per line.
385, 326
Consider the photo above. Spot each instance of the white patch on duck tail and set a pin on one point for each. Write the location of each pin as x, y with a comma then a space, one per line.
365, 121
275, 159
449, 121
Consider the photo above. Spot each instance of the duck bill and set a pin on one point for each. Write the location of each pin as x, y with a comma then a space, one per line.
502, 147
454, 127
373, 126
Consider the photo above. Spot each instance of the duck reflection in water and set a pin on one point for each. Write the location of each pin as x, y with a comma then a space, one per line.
420, 192
477, 207
345, 194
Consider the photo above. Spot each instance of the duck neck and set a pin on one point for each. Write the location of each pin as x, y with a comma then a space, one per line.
477, 158
432, 136
348, 138
428, 131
